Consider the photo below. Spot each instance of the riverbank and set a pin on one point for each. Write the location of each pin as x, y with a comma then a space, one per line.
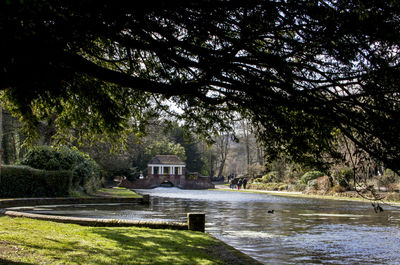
303, 195
27, 241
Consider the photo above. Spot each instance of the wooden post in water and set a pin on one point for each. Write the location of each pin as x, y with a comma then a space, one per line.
196, 221
146, 198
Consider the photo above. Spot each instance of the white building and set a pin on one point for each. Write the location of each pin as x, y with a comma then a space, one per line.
166, 165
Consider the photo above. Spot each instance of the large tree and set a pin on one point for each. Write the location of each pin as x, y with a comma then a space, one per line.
301, 71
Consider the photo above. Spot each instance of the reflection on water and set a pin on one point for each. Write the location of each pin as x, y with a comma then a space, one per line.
301, 231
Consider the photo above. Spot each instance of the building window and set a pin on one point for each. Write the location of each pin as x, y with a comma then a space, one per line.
176, 170
166, 170
155, 169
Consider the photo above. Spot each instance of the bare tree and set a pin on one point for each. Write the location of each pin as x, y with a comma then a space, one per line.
253, 150
222, 148
245, 130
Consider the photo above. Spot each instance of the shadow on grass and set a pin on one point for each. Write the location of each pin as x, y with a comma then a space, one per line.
103, 246
160, 246
73, 244
9, 262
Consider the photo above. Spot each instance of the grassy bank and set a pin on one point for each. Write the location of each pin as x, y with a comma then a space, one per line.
107, 192
314, 196
117, 192
26, 241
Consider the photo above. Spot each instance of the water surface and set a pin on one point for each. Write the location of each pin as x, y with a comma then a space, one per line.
300, 231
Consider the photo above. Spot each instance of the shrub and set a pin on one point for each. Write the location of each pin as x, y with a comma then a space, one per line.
272, 176
393, 196
283, 186
343, 177
24, 181
388, 179
85, 171
324, 183
338, 189
299, 186
268, 186
310, 175
313, 184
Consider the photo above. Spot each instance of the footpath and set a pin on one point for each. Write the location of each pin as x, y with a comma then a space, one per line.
354, 197
225, 187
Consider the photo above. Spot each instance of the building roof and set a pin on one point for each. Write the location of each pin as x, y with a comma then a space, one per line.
166, 160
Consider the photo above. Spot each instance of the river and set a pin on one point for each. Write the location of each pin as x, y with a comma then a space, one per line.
300, 231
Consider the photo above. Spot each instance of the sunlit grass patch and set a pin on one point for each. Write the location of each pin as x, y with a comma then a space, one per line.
117, 192
39, 242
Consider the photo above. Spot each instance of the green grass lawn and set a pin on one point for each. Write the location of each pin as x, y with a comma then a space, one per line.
26, 241
117, 192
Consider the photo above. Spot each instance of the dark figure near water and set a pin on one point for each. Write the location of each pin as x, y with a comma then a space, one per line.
235, 183
244, 183
377, 208
239, 184
271, 211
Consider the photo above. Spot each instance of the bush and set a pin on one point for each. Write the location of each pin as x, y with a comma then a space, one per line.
283, 186
299, 186
310, 175
24, 181
324, 183
393, 196
272, 176
338, 189
313, 184
343, 177
268, 186
85, 171
389, 177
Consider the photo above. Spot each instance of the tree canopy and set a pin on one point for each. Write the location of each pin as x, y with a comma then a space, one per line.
303, 72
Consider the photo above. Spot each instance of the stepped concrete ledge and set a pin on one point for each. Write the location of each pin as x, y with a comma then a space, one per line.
6, 203
67, 200
98, 222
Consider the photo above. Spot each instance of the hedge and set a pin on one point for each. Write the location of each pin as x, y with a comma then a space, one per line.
24, 181
85, 171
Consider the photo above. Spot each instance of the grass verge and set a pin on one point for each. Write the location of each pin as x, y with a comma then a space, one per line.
311, 196
106, 192
26, 241
117, 192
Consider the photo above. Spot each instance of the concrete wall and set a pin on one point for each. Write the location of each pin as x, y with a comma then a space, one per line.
195, 221
48, 201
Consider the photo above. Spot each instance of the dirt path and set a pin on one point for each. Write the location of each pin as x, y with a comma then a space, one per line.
224, 187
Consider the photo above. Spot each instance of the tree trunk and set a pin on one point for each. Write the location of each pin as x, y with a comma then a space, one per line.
246, 132
221, 168
223, 145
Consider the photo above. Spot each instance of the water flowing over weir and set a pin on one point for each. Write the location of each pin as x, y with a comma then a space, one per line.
300, 231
